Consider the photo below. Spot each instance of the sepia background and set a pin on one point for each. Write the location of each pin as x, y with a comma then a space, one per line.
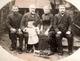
73, 9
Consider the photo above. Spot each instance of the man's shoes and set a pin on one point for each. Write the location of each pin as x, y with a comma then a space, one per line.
27, 51
70, 53
12, 49
51, 53
20, 52
60, 53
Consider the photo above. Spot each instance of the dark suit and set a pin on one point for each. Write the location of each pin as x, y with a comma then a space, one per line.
63, 24
13, 21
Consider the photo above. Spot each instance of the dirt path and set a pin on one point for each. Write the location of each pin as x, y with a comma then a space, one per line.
5, 43
31, 57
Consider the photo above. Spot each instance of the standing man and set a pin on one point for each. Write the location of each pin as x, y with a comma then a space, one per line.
13, 23
47, 26
29, 17
62, 27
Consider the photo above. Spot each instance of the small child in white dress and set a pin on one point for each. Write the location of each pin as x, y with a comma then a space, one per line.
33, 32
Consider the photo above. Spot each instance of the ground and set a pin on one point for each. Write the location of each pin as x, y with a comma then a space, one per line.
5, 43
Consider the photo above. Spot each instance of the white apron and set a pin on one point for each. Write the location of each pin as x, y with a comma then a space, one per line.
33, 38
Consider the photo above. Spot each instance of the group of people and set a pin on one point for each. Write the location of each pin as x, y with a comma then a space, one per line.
29, 26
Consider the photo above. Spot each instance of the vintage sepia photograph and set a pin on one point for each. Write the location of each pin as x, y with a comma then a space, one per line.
39, 30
